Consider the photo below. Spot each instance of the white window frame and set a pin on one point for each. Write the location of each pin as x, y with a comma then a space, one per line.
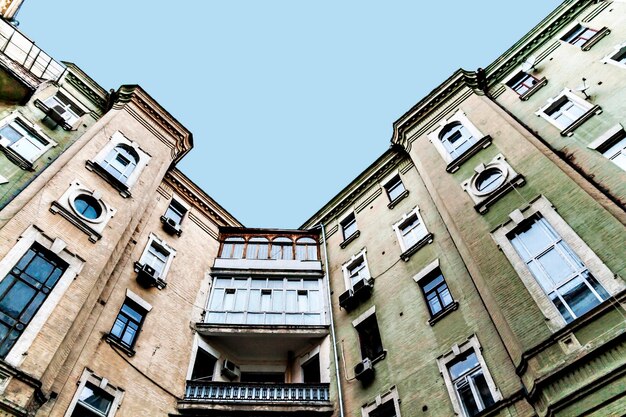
199, 343
118, 138
459, 350
458, 116
171, 253
420, 229
608, 59
74, 117
181, 203
609, 141
391, 395
566, 92
75, 263
593, 263
353, 260
30, 128
66, 201
89, 377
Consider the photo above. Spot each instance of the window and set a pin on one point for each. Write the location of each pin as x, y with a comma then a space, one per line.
306, 249
558, 270
385, 405
128, 323
282, 248
156, 256
257, 248
565, 112
23, 140
617, 153
436, 292
92, 402
469, 384
232, 248
204, 366
456, 139
410, 230
522, 83
64, 108
348, 226
369, 337
579, 35
356, 270
87, 207
387, 409
617, 57
24, 289
265, 301
394, 188
175, 212
120, 162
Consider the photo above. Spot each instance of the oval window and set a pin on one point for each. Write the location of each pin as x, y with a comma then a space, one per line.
88, 207
489, 180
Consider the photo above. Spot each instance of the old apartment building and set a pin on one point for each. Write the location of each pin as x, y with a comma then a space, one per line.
476, 268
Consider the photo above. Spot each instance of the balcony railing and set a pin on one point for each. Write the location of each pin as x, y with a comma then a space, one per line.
251, 392
24, 51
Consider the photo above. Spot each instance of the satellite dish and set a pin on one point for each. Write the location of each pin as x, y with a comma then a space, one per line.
583, 88
529, 64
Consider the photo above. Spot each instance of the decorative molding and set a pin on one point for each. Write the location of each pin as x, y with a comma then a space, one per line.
85, 90
406, 166
182, 140
202, 225
603, 5
368, 200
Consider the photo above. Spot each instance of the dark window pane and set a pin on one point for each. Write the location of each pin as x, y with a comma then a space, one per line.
467, 400
16, 299
483, 389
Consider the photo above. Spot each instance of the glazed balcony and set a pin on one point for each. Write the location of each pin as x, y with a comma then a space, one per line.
298, 399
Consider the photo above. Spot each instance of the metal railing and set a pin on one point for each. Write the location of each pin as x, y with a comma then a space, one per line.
24, 52
256, 392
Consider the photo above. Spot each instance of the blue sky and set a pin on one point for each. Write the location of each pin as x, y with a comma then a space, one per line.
288, 101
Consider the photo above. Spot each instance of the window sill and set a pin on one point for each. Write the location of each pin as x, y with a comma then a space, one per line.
17, 159
114, 182
569, 130
399, 198
349, 239
406, 255
540, 83
447, 310
380, 357
114, 341
57, 208
53, 115
483, 206
595, 39
455, 164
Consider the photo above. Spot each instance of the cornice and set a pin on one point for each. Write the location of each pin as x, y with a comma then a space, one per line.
372, 175
182, 139
184, 186
537, 37
86, 85
453, 85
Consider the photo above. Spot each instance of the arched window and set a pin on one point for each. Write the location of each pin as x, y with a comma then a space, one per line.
233, 248
121, 162
456, 139
306, 249
282, 248
257, 248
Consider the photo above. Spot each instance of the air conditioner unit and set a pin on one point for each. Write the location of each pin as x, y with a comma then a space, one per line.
230, 370
147, 276
171, 226
364, 370
347, 300
363, 289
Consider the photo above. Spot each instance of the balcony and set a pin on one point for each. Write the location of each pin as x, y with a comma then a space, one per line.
24, 63
295, 399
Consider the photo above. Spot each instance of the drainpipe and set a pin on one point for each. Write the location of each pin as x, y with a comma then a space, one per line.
332, 323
